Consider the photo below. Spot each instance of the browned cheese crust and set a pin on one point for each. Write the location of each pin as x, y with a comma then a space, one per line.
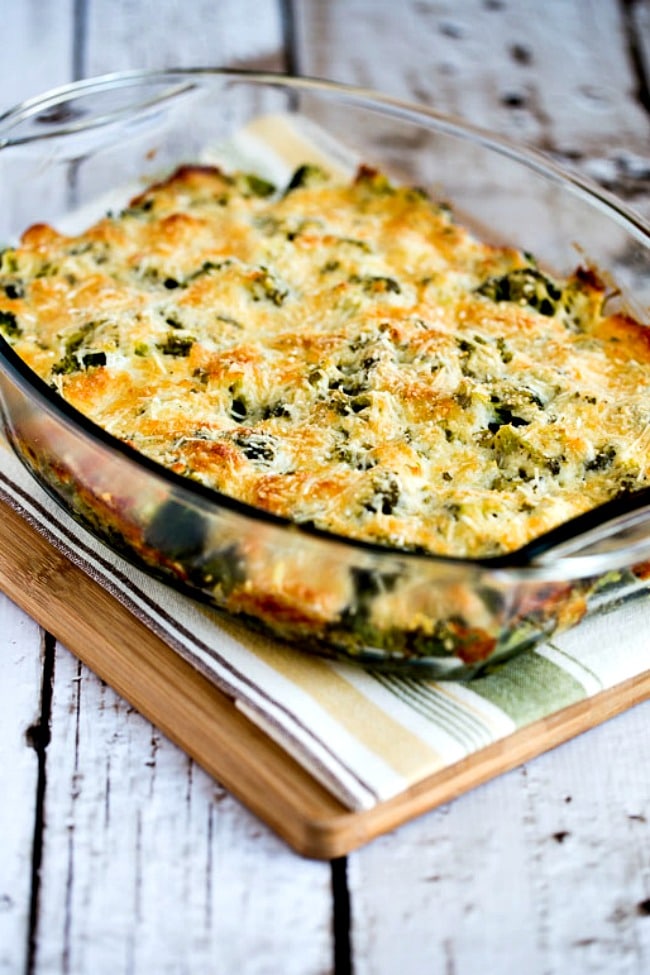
345, 355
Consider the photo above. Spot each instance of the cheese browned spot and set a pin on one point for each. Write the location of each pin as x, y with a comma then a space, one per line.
341, 354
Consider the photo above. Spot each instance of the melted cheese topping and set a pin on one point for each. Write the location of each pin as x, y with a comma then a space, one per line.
343, 355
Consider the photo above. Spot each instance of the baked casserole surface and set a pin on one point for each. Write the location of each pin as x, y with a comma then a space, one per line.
345, 355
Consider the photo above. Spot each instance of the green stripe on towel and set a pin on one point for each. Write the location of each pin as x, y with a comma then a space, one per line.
528, 688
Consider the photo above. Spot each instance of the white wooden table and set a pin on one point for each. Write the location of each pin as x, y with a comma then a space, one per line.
117, 854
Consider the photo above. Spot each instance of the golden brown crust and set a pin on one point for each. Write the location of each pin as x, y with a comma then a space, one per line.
345, 355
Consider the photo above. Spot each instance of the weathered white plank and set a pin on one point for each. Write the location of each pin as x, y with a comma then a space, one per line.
149, 866
204, 33
559, 78
36, 55
37, 50
589, 826
546, 869
20, 681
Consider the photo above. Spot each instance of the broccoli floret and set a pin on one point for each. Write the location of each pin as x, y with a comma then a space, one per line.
524, 286
9, 325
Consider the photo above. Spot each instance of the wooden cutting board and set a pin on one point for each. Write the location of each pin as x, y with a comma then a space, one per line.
205, 723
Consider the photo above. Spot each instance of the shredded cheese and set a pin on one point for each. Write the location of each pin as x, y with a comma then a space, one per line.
343, 354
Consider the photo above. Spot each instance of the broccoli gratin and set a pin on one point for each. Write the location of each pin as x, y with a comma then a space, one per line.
345, 355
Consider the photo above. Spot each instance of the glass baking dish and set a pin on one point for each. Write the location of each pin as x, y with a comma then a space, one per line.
91, 145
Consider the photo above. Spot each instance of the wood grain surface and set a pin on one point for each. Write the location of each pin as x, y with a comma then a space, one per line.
118, 853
